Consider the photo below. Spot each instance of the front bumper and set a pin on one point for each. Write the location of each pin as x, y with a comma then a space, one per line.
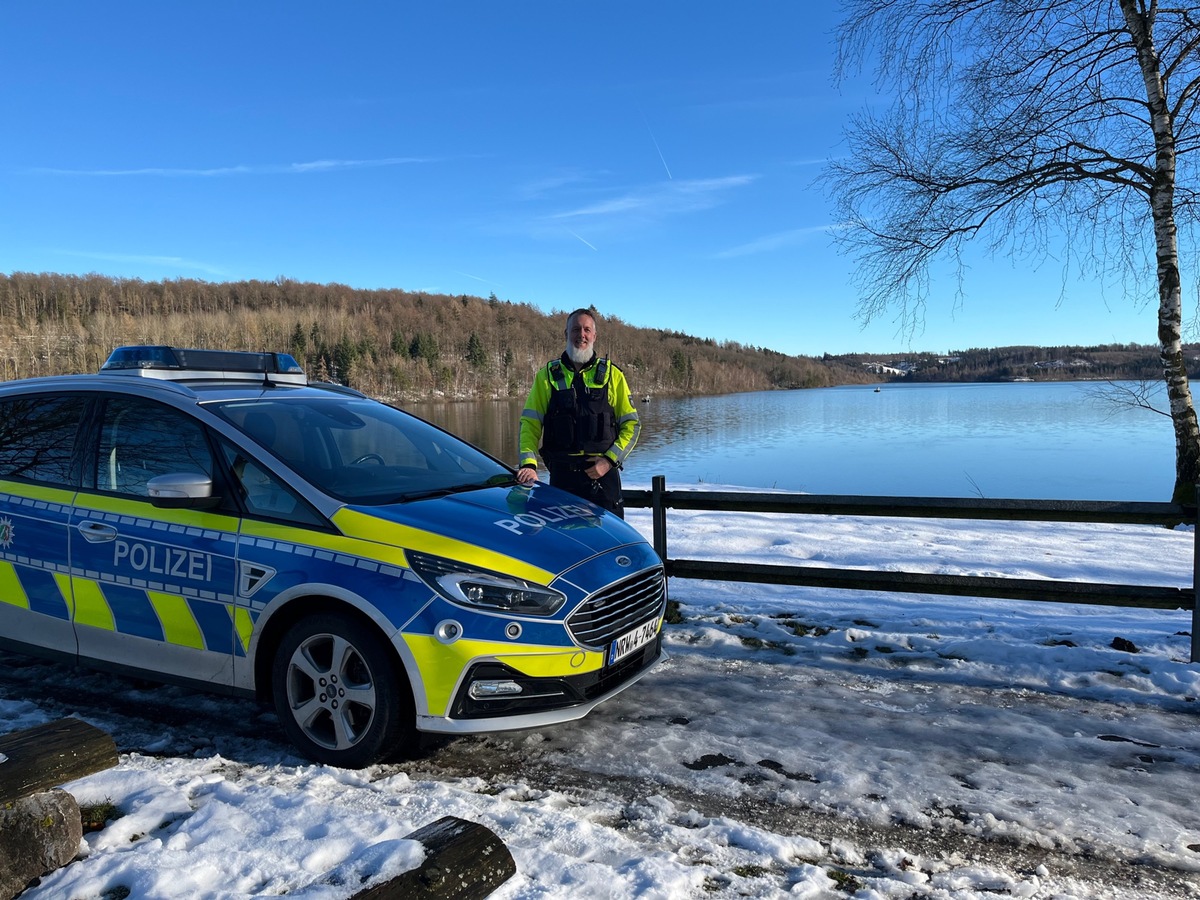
542, 701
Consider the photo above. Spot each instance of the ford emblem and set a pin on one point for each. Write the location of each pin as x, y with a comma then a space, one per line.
624, 561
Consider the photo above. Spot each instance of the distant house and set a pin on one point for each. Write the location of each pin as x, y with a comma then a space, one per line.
877, 368
902, 368
1063, 364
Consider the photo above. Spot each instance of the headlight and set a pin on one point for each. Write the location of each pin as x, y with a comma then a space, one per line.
469, 586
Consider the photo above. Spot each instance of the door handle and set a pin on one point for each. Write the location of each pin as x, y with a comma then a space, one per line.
97, 532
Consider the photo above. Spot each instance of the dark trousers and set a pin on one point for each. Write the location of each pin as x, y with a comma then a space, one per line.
605, 492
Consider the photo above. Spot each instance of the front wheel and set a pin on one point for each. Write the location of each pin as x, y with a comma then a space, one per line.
338, 692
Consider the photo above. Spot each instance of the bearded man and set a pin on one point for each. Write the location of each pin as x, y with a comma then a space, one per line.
580, 417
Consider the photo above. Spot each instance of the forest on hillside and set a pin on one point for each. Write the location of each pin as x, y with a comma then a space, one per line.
1134, 362
391, 344
404, 345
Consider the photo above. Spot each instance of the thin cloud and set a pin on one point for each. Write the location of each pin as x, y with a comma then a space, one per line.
658, 200
778, 241
550, 185
300, 168
171, 262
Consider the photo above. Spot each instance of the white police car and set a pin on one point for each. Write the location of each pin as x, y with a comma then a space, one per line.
212, 518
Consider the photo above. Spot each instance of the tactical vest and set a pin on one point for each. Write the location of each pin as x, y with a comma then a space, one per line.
579, 419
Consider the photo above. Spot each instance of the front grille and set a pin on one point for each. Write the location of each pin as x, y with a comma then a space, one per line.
609, 613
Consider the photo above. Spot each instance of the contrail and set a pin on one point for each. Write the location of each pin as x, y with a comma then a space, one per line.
658, 148
574, 235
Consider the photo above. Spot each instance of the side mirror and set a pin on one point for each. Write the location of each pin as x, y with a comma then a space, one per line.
182, 490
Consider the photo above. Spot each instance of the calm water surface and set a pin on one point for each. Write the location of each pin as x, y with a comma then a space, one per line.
1031, 441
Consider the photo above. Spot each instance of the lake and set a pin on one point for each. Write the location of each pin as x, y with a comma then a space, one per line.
1055, 440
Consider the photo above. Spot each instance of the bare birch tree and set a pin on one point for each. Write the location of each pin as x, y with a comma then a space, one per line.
1026, 127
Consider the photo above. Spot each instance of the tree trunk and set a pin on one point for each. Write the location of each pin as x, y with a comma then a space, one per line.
51, 754
463, 861
1166, 244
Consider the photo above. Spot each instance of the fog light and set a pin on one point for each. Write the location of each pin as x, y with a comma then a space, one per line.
483, 690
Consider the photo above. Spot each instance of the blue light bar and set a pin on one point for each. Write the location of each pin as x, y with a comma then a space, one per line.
178, 364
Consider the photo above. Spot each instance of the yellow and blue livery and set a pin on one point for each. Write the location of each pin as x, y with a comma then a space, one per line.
215, 519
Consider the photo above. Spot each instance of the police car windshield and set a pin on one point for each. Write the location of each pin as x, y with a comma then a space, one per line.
361, 451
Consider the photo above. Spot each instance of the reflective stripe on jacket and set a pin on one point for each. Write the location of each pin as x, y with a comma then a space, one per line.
604, 420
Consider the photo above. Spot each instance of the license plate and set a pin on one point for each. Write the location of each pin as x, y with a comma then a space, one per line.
632, 640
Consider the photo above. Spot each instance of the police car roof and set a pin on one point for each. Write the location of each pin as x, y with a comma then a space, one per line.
179, 364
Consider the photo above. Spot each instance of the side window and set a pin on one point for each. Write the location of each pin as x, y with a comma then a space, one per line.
37, 437
140, 439
265, 495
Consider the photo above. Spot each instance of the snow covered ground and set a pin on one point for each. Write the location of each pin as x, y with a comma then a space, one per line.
798, 742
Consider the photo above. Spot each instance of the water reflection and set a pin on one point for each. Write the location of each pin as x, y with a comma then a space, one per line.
493, 425
1048, 441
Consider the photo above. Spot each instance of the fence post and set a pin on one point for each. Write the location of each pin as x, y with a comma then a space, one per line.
658, 513
1196, 581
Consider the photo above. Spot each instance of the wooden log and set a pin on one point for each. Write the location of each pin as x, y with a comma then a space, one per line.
50, 755
463, 861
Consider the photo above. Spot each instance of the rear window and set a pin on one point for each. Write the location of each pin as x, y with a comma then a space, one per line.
37, 437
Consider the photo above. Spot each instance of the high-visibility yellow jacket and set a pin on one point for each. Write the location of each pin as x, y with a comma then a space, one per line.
564, 417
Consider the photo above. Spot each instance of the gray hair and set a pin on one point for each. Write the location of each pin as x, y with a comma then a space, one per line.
583, 311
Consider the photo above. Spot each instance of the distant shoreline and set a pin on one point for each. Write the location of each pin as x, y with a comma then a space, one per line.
414, 345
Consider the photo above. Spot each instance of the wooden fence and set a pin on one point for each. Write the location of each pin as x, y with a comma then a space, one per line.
658, 499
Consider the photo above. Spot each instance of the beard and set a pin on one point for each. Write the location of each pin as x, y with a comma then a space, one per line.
580, 355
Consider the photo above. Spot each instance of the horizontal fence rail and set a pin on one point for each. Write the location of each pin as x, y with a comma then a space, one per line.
658, 499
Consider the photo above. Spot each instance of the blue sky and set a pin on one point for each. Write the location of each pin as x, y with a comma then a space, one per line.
657, 160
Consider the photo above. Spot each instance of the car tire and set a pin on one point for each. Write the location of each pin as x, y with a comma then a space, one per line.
339, 692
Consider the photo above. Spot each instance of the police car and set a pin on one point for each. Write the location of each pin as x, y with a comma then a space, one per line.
215, 519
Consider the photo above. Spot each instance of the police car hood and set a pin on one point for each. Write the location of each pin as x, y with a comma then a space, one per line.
543, 525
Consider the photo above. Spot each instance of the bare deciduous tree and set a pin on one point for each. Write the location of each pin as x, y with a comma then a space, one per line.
1027, 126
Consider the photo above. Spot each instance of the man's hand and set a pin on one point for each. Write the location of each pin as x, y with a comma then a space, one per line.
526, 475
600, 467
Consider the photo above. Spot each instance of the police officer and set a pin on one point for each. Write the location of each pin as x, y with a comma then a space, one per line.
581, 417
